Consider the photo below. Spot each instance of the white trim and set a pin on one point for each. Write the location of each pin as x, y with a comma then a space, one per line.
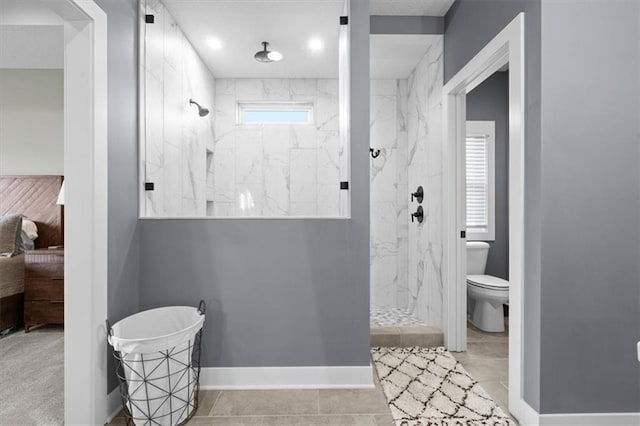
85, 159
114, 404
591, 419
506, 48
527, 416
488, 129
350, 377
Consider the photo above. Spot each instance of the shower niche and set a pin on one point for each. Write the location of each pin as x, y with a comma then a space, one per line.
244, 109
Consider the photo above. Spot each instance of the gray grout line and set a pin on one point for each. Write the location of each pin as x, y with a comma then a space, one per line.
214, 403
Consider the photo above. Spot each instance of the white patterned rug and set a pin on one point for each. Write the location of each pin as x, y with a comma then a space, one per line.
426, 386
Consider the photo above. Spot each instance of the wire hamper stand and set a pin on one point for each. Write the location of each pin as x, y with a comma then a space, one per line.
161, 387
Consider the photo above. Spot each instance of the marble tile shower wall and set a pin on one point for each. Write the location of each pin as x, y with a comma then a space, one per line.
425, 150
389, 192
177, 138
277, 170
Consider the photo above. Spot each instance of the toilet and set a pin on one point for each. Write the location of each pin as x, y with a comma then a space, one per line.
486, 294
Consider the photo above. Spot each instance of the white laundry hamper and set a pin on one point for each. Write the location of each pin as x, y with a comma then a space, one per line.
158, 354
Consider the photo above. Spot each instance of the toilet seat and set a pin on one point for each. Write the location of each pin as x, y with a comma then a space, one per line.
488, 282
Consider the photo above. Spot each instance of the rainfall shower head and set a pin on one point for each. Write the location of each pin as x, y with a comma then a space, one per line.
202, 111
267, 56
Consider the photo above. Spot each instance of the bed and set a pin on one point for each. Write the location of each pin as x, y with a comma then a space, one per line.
35, 198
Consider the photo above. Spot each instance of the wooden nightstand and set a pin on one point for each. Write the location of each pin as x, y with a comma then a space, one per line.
43, 288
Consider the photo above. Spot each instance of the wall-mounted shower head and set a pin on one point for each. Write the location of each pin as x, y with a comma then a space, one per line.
202, 111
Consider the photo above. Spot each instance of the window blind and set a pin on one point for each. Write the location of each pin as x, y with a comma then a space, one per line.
477, 162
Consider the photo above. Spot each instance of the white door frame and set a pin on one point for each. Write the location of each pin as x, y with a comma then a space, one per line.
85, 170
506, 48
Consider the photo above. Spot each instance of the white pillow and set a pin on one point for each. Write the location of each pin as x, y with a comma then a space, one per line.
29, 227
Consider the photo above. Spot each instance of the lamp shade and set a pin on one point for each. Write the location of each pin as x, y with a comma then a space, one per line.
60, 200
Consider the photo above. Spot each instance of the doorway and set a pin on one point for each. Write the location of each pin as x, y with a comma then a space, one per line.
505, 50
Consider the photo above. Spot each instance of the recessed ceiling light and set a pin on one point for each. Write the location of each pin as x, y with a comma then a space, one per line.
315, 44
214, 43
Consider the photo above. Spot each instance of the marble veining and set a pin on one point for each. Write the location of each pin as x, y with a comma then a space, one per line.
277, 170
176, 138
389, 202
406, 258
424, 129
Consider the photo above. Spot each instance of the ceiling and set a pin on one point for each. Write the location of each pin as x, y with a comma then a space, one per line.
31, 36
241, 25
410, 7
396, 56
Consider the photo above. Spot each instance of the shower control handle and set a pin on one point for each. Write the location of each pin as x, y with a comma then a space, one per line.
419, 195
418, 215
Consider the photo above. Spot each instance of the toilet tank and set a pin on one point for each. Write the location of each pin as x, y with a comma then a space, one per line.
477, 252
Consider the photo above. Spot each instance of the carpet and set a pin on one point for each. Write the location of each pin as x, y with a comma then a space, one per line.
425, 386
32, 379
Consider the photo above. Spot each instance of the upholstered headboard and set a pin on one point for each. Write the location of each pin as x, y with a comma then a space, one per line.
35, 197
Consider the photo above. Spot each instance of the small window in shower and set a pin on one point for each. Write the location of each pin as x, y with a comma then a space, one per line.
275, 113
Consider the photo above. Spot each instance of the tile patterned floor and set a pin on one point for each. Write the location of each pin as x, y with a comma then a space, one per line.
308, 407
487, 361
388, 317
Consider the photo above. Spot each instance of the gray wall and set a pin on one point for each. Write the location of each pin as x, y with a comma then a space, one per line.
490, 101
469, 26
124, 245
590, 207
280, 292
582, 203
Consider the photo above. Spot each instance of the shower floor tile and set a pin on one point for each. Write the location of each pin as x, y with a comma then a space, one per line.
392, 317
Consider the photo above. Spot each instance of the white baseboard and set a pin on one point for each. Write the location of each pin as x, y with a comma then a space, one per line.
356, 377
524, 413
114, 403
590, 419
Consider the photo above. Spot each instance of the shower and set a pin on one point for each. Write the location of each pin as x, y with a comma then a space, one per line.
202, 111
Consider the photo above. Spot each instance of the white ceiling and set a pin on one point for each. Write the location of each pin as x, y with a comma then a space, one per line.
410, 7
27, 12
396, 56
241, 25
31, 36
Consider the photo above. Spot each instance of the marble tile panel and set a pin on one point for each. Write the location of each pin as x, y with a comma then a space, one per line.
328, 199
303, 87
303, 209
326, 113
276, 89
304, 179
383, 118
303, 136
384, 280
249, 156
384, 238
249, 89
224, 175
328, 88
249, 199
384, 87
383, 176
225, 86
154, 120
154, 40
